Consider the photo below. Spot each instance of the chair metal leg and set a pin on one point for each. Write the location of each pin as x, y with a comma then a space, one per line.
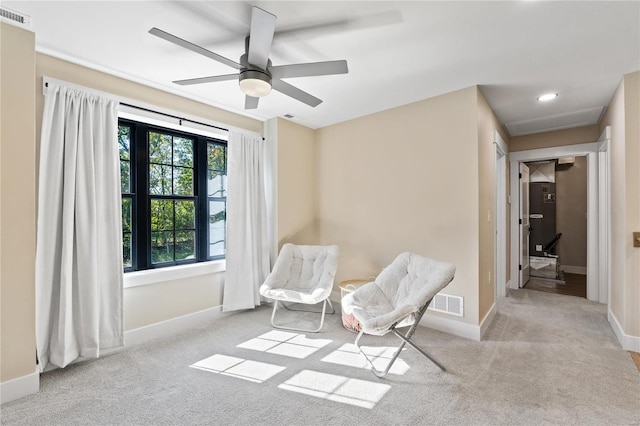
419, 349
379, 373
333, 310
324, 309
406, 338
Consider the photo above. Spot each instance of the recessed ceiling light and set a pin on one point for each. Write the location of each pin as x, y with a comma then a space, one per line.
547, 97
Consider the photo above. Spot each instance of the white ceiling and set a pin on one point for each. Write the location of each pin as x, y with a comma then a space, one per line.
398, 52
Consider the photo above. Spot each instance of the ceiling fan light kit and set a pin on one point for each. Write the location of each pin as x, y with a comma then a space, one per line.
255, 83
257, 76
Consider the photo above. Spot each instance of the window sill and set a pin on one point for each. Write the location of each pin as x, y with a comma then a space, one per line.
153, 276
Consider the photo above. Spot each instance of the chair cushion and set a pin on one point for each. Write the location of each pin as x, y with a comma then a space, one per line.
398, 293
302, 274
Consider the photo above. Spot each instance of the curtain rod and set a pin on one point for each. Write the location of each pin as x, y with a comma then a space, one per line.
173, 116
46, 84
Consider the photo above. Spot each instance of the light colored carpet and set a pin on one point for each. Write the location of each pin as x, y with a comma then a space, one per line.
546, 359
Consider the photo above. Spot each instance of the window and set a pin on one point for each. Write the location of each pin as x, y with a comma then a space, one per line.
217, 197
173, 187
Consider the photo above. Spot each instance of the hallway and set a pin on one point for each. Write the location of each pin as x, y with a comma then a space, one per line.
575, 285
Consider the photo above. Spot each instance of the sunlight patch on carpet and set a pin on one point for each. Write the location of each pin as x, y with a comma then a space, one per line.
349, 355
293, 345
252, 371
341, 389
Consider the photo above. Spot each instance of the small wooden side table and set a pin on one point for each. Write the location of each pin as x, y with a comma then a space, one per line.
349, 321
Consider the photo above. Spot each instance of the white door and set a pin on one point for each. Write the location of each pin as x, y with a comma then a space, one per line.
525, 226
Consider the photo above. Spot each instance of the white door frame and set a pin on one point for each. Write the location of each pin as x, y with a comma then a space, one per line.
598, 206
604, 214
500, 219
524, 225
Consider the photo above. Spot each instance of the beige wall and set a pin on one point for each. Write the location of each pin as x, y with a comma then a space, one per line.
586, 134
296, 184
571, 212
623, 117
156, 302
632, 177
171, 299
488, 124
17, 203
405, 179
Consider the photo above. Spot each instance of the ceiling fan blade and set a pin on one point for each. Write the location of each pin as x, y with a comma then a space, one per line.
295, 93
309, 69
193, 47
210, 79
263, 25
251, 102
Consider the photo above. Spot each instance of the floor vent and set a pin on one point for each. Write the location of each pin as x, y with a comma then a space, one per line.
445, 303
15, 18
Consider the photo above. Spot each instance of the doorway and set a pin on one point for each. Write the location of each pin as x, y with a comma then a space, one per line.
597, 276
558, 225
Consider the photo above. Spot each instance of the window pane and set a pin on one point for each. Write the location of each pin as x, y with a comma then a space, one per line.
224, 185
182, 181
126, 232
217, 227
185, 245
125, 180
216, 157
159, 180
159, 148
185, 215
214, 184
126, 214
182, 152
162, 247
124, 141
161, 215
126, 250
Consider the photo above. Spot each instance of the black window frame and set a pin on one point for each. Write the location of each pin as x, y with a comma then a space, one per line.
140, 195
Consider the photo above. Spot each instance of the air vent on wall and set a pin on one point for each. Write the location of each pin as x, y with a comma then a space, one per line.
16, 18
448, 304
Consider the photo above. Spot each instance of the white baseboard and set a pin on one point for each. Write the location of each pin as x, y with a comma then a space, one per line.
628, 343
486, 321
514, 283
20, 387
172, 326
451, 326
582, 270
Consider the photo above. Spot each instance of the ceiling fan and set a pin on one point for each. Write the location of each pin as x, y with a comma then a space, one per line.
257, 76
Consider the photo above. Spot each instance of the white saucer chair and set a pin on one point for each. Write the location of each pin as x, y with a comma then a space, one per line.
302, 274
398, 298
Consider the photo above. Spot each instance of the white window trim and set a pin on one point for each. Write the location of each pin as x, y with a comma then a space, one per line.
153, 276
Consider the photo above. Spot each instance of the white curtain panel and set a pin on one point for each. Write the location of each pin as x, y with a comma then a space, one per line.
247, 252
79, 239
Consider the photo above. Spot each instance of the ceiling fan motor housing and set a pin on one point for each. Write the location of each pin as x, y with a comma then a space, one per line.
254, 81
